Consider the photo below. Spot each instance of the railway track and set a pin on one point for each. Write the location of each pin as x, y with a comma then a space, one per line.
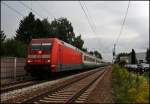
21, 84
74, 92
15, 86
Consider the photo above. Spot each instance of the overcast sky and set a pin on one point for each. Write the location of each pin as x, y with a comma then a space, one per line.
106, 15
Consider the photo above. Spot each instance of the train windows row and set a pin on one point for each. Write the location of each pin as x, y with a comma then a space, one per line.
90, 59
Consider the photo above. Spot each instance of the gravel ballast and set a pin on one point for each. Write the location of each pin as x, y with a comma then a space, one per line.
29, 92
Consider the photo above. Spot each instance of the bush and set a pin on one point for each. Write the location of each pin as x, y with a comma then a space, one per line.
129, 87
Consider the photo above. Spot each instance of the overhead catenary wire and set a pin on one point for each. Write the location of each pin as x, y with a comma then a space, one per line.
87, 18
30, 8
120, 32
121, 29
93, 22
90, 16
46, 11
11, 8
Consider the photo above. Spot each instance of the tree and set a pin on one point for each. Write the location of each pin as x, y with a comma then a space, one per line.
133, 57
84, 49
78, 42
148, 55
13, 47
61, 28
46, 27
41, 29
3, 36
38, 29
97, 54
25, 31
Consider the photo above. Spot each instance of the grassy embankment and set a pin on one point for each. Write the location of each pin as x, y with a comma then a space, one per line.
129, 87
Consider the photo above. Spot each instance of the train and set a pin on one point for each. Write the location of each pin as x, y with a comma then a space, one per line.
51, 55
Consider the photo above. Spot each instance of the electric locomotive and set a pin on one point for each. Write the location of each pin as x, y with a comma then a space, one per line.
51, 55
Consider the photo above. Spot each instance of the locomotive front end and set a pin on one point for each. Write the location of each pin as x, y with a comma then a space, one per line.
38, 61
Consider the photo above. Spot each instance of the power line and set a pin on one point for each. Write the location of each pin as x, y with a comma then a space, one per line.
94, 26
123, 23
87, 17
90, 15
11, 8
46, 11
29, 8
114, 54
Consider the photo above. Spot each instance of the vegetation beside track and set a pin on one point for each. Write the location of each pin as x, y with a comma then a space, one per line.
129, 87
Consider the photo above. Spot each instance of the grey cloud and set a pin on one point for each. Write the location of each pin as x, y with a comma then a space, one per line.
108, 17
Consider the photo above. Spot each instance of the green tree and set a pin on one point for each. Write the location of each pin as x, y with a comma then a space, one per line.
14, 48
85, 50
98, 54
78, 42
41, 29
3, 36
25, 31
148, 55
46, 27
38, 29
133, 57
61, 28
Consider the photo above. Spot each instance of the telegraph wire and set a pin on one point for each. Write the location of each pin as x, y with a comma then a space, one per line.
29, 8
87, 17
11, 8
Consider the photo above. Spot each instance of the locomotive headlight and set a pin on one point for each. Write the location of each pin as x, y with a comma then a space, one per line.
48, 60
29, 61
39, 52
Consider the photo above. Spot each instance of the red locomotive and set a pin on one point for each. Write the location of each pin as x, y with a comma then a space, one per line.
51, 55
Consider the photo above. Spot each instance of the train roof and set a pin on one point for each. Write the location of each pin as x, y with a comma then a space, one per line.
66, 44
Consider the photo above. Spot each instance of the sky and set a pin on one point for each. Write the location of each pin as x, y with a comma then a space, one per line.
106, 19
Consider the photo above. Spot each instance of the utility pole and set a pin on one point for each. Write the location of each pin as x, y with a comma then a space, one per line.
114, 53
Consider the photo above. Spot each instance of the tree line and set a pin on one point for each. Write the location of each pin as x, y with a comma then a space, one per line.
30, 27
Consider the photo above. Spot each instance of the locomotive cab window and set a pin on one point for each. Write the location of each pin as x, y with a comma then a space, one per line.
36, 46
46, 46
43, 46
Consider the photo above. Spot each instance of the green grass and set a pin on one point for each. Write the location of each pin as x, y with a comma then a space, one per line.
129, 87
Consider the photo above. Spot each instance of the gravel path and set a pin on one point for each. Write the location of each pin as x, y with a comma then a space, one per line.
103, 91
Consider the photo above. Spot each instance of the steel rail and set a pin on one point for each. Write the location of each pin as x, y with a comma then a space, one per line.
38, 97
31, 100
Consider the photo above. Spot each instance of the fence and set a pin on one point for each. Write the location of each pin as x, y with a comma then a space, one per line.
12, 68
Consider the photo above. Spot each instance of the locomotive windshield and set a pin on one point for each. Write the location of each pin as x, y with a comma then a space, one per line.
43, 46
36, 46
46, 46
